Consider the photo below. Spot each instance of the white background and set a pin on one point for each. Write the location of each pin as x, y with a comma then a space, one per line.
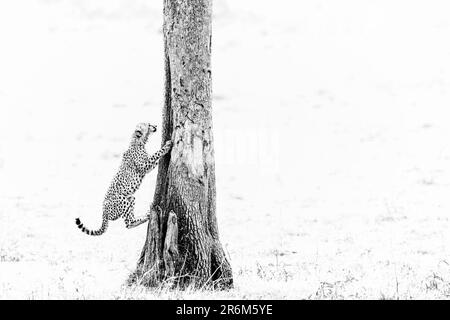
331, 133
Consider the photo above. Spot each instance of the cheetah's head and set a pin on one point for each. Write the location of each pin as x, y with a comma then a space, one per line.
143, 131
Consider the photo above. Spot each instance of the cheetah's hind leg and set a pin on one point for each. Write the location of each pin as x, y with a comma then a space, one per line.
130, 220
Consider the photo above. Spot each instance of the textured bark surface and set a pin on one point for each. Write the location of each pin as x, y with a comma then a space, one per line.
170, 252
185, 244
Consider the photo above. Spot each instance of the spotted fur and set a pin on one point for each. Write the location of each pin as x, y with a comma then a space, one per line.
136, 163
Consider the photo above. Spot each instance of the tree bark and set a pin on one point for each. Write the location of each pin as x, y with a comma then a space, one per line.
182, 244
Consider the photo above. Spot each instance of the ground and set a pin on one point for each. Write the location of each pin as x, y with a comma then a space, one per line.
330, 118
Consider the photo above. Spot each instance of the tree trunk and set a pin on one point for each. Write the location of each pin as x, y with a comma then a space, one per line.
182, 245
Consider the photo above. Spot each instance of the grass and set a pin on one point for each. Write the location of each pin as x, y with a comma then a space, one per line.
310, 280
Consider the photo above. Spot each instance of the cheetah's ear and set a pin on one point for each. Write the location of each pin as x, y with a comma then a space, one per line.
138, 133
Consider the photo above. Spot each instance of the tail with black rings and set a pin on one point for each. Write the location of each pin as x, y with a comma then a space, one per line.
93, 232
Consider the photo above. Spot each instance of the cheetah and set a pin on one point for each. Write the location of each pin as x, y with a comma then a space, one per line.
136, 163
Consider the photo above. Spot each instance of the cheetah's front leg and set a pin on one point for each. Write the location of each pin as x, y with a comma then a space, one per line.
152, 161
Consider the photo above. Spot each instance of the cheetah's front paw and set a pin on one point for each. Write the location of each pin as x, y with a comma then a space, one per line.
168, 144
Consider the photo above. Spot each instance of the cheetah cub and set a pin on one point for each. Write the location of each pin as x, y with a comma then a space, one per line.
136, 163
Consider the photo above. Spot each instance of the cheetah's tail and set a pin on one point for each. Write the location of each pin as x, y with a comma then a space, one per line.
93, 232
